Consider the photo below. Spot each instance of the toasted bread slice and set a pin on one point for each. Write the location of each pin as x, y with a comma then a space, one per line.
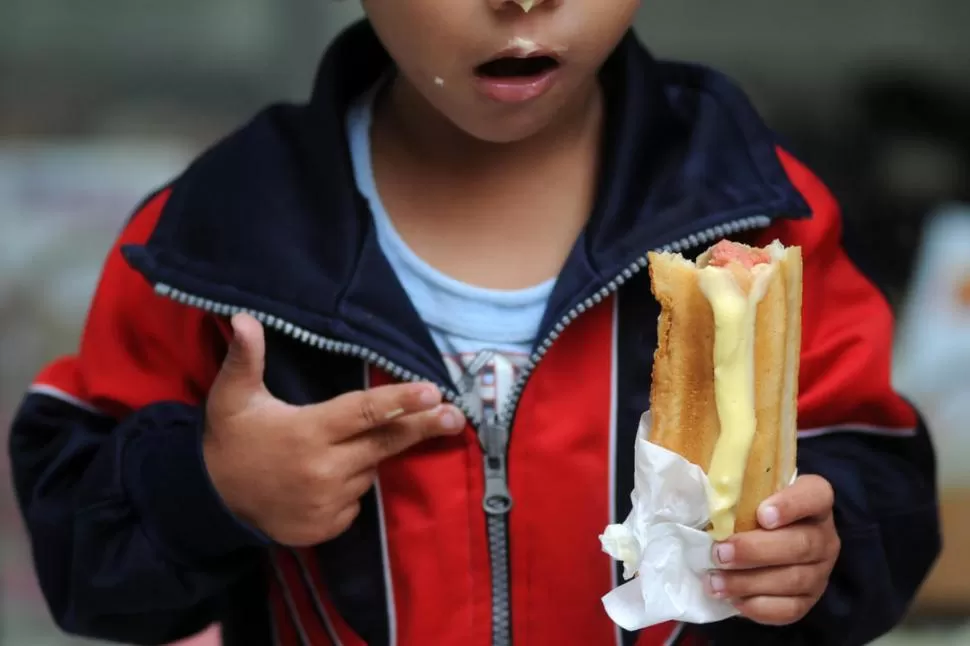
683, 404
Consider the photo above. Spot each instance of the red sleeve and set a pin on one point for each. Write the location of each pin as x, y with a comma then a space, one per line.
137, 348
847, 325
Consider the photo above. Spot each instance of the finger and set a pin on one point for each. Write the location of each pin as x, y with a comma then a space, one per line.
360, 484
809, 497
775, 611
245, 360
377, 445
790, 581
801, 544
354, 413
346, 517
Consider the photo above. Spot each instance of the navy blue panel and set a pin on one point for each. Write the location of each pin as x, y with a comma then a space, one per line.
244, 614
130, 541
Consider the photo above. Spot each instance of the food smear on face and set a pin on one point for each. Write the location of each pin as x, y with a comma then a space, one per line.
523, 46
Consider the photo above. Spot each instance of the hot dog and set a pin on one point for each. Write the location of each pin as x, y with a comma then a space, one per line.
725, 372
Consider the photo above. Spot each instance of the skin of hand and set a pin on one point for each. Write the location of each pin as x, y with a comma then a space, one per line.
297, 473
775, 575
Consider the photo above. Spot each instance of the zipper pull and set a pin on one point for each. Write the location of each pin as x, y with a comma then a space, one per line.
495, 443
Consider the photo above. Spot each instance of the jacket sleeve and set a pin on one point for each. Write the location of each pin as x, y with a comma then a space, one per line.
859, 434
131, 543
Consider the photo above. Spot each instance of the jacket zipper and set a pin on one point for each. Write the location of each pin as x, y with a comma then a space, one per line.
493, 434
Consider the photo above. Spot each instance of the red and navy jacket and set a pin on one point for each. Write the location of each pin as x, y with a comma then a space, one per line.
132, 543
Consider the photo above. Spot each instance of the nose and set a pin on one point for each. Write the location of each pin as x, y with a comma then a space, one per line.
525, 5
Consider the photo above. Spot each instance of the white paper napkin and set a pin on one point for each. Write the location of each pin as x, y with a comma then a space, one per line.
663, 542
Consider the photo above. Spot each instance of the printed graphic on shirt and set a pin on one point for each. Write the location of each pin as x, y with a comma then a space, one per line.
486, 378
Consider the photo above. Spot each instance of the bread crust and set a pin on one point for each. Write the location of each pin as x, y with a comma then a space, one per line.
684, 413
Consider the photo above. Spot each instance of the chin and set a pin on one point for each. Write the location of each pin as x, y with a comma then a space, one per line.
505, 129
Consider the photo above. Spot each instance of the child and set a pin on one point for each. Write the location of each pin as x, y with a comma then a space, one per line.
370, 371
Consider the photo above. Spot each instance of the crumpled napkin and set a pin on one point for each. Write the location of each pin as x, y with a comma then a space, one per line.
663, 542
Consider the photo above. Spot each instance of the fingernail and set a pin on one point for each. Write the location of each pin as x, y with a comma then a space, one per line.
724, 553
716, 584
451, 420
430, 396
769, 516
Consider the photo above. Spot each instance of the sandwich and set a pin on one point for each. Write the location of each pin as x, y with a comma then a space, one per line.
725, 372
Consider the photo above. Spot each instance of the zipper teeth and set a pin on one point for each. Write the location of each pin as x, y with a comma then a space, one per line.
690, 242
310, 338
498, 546
403, 374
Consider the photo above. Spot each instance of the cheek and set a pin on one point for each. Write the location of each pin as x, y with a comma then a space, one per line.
608, 27
600, 31
421, 59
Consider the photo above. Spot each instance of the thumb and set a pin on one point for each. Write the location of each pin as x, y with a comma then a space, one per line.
246, 358
811, 496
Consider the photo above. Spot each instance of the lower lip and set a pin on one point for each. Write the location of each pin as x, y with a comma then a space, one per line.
515, 89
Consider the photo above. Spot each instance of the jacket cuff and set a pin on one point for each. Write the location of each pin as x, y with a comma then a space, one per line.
165, 476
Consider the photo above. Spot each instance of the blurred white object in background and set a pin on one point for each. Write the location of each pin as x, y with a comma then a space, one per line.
932, 362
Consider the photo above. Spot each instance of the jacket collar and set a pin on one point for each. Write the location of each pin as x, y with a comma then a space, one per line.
269, 218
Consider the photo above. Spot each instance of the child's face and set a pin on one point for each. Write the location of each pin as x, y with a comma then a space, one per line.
440, 47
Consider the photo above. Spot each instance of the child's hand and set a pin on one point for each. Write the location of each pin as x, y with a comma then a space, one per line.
297, 473
776, 575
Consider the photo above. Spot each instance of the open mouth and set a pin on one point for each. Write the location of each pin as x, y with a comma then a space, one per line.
508, 67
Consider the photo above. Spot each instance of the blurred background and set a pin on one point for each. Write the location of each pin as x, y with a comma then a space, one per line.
100, 102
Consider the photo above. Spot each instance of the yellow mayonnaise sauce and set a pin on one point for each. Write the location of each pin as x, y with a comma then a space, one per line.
735, 313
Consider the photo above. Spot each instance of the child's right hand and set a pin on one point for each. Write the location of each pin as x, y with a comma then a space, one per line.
297, 472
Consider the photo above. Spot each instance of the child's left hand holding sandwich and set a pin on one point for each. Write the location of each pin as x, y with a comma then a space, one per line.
775, 575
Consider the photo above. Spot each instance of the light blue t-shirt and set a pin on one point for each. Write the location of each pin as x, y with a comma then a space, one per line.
484, 335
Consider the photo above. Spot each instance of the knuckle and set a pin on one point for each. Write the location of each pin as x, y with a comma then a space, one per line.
803, 546
368, 411
320, 473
